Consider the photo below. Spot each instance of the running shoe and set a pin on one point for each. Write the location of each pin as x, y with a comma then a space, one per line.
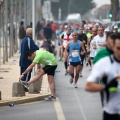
81, 75
71, 80
50, 98
24, 83
59, 59
86, 63
75, 85
66, 72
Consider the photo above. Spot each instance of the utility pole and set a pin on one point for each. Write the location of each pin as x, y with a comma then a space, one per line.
59, 15
6, 28
3, 30
33, 25
69, 6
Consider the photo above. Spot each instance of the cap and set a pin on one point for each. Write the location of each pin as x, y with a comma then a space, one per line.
65, 26
115, 27
107, 29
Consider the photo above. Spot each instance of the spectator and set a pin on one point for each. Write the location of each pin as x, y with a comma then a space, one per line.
48, 32
38, 29
53, 27
26, 45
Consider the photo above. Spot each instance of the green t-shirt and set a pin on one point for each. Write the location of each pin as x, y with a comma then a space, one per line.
45, 58
89, 35
104, 52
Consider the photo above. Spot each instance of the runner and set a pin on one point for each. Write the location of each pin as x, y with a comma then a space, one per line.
60, 47
74, 47
107, 69
65, 38
100, 40
108, 50
91, 45
83, 38
76, 28
46, 58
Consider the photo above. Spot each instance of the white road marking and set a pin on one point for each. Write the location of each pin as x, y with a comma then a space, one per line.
58, 109
80, 106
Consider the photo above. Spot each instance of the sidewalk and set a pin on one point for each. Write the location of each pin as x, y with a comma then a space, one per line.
10, 74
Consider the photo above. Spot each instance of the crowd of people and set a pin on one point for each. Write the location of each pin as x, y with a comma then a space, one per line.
80, 44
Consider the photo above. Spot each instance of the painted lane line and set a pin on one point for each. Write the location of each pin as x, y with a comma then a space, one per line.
80, 106
58, 109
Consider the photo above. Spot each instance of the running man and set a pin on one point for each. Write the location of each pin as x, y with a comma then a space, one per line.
100, 40
83, 38
46, 58
74, 46
91, 45
108, 70
60, 47
65, 38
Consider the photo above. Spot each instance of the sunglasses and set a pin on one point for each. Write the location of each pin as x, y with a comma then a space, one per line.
74, 35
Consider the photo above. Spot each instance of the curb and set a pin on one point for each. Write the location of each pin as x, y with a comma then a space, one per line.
24, 100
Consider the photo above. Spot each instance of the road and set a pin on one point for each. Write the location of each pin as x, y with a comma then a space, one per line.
71, 104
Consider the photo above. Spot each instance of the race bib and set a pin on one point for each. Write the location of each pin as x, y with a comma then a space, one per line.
93, 46
101, 45
75, 53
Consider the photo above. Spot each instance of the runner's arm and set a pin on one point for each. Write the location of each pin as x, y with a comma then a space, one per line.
29, 68
83, 49
93, 87
98, 72
61, 39
88, 45
66, 50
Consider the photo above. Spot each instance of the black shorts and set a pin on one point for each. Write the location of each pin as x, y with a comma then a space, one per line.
64, 50
75, 63
49, 70
91, 58
107, 116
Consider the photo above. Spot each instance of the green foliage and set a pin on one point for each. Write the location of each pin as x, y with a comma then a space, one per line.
72, 6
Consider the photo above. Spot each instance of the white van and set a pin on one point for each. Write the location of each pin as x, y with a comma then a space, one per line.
74, 17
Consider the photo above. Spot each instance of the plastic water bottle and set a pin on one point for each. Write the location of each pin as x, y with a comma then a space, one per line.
57, 70
10, 105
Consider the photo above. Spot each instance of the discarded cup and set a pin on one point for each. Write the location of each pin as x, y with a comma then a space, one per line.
10, 105
14, 60
57, 70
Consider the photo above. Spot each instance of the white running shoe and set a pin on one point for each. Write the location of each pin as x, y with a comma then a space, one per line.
75, 85
25, 84
50, 98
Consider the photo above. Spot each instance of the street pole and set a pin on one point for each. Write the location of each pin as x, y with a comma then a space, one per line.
0, 36
59, 15
25, 13
33, 19
3, 31
6, 32
33, 26
16, 27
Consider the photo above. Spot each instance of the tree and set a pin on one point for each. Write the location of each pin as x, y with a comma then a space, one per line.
72, 6
114, 9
